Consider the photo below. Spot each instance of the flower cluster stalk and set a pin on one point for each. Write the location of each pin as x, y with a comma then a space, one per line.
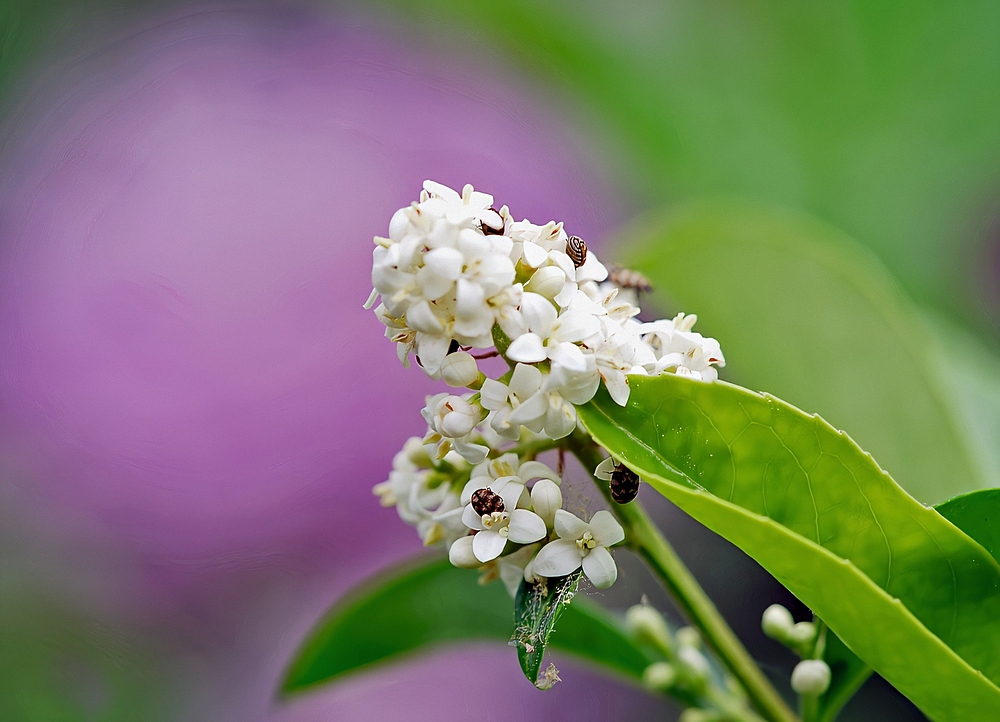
645, 538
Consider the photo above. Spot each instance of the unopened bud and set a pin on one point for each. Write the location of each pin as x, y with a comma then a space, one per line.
547, 281
803, 633
688, 637
459, 369
777, 622
546, 499
694, 661
811, 676
461, 554
648, 625
659, 676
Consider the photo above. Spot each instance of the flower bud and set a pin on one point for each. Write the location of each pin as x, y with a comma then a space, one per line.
777, 622
648, 625
461, 554
803, 633
398, 224
659, 676
694, 661
811, 676
545, 500
547, 281
459, 369
454, 417
688, 637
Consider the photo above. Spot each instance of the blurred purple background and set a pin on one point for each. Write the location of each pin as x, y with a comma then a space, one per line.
194, 406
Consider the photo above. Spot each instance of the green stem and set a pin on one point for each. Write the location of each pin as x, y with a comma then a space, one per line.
643, 536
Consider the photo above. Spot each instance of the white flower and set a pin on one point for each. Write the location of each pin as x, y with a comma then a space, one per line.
502, 399
520, 526
508, 465
550, 334
459, 369
451, 416
777, 622
582, 544
451, 423
679, 349
546, 499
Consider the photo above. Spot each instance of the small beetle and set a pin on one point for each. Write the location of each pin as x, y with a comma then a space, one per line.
486, 502
576, 249
624, 484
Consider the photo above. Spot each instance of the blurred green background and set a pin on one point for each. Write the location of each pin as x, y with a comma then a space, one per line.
819, 181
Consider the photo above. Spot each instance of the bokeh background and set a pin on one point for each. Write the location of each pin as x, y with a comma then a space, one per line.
194, 406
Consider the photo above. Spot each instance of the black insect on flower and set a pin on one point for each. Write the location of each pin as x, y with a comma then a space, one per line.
624, 482
486, 502
576, 249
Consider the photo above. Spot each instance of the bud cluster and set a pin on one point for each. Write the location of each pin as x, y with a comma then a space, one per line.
811, 676
684, 670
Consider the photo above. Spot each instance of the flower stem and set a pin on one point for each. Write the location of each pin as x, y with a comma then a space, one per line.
643, 536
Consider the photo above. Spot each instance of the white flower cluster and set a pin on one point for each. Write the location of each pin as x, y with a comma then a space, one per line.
455, 275
507, 517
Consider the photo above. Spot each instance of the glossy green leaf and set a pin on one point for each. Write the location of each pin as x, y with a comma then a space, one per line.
420, 605
537, 608
907, 591
803, 312
978, 515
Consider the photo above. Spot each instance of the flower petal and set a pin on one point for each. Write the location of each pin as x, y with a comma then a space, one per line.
461, 554
538, 312
527, 348
472, 519
525, 527
493, 395
488, 545
604, 469
536, 470
532, 409
600, 568
569, 526
525, 381
557, 559
606, 529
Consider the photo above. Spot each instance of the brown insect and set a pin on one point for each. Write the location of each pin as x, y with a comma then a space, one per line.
627, 278
486, 502
576, 249
624, 484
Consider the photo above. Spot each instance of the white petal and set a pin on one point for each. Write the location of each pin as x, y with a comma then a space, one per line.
538, 312
569, 356
373, 296
471, 519
473, 453
445, 262
560, 418
546, 499
527, 349
532, 409
591, 270
557, 559
469, 299
617, 385
525, 527
421, 318
493, 395
488, 545
461, 554
432, 350
509, 492
569, 526
599, 566
604, 469
606, 529
576, 326
534, 255
536, 470
525, 381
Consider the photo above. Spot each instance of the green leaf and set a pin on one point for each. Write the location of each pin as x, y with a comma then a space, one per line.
907, 591
419, 605
537, 607
978, 515
805, 313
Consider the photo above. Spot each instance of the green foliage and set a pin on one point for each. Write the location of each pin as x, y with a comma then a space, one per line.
537, 607
906, 591
804, 313
978, 515
415, 606
877, 117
